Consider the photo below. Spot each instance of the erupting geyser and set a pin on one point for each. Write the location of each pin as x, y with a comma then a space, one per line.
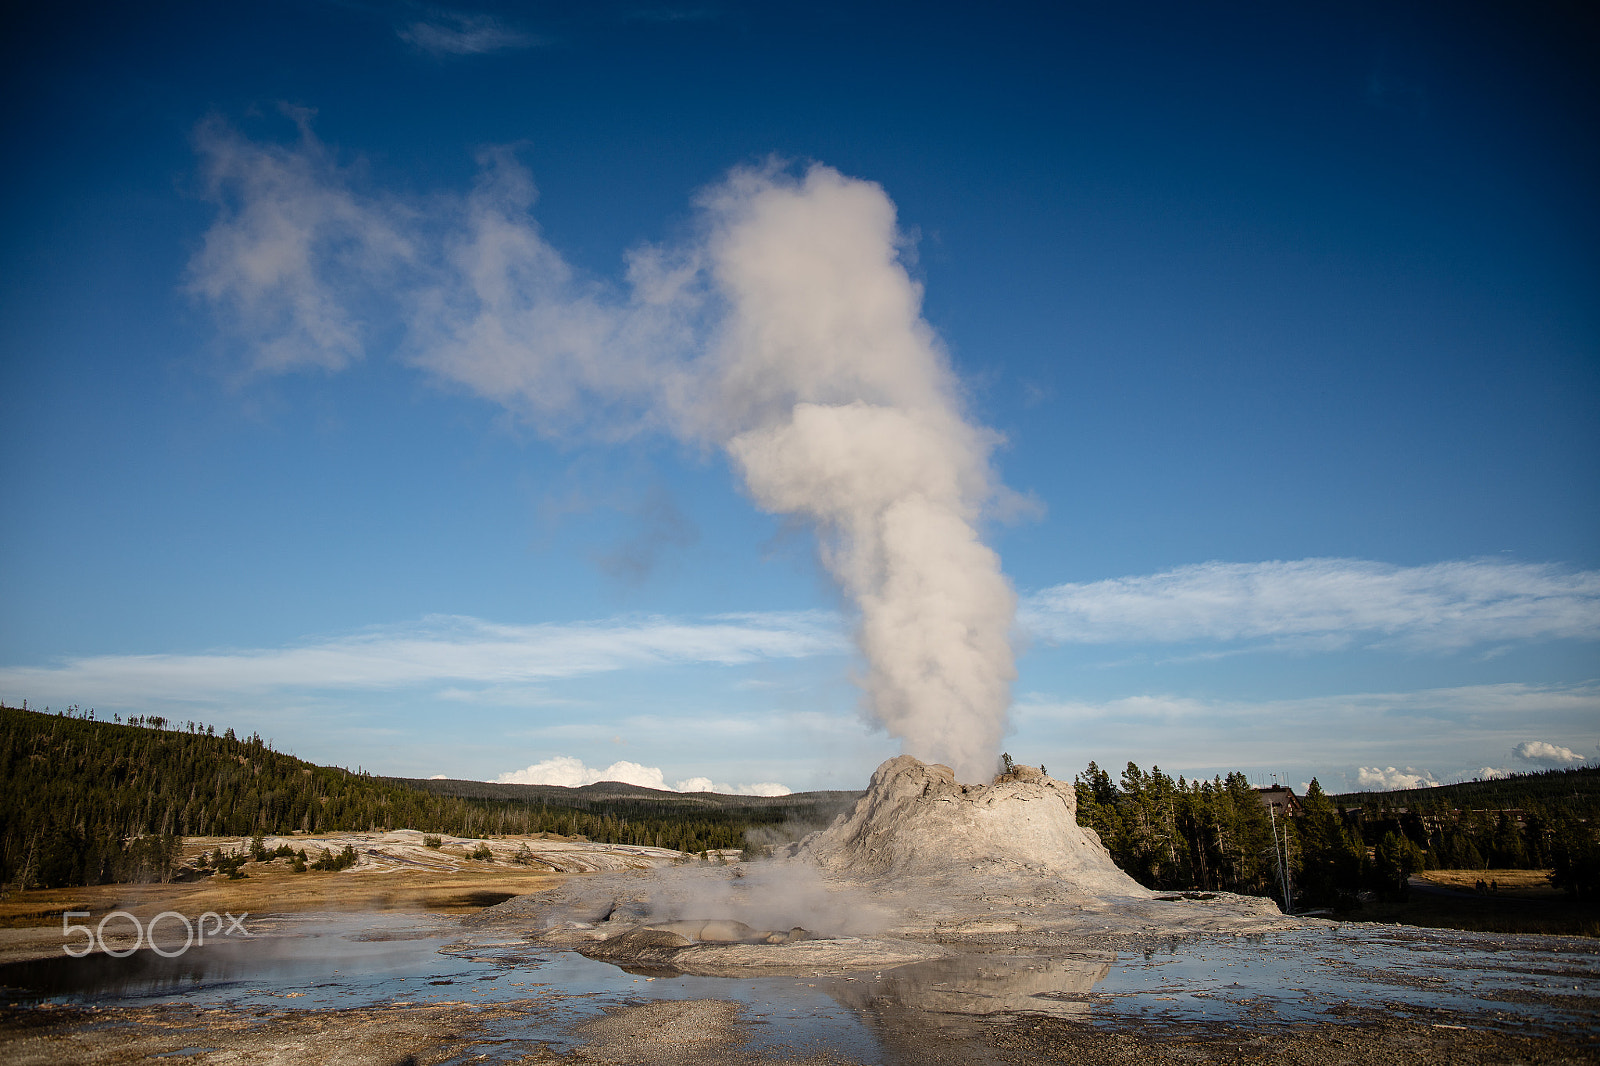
837, 404
788, 333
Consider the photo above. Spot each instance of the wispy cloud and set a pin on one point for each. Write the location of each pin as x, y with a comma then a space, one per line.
672, 14
658, 525
1325, 604
458, 33
572, 773
303, 253
1455, 731
287, 260
439, 650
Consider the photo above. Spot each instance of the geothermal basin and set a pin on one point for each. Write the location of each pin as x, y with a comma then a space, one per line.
331, 985
933, 922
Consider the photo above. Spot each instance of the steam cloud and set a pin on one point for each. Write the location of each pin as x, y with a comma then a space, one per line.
844, 412
775, 896
787, 333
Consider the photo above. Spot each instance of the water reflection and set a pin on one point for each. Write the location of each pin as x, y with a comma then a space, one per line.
980, 985
373, 958
1308, 975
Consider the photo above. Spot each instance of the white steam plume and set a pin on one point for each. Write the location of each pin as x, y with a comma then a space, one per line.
788, 333
839, 407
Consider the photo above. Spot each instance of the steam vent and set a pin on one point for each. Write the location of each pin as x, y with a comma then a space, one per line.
917, 822
920, 867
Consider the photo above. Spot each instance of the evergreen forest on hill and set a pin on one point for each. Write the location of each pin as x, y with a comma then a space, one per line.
1218, 834
1580, 785
621, 799
91, 802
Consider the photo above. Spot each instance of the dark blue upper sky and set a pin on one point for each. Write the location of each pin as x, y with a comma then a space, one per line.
1268, 283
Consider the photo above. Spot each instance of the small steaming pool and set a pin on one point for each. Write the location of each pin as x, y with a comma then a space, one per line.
1321, 973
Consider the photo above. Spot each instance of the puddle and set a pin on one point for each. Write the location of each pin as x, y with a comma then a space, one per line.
312, 963
1320, 973
322, 961
1309, 975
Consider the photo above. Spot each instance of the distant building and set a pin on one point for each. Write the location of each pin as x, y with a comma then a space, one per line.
1281, 799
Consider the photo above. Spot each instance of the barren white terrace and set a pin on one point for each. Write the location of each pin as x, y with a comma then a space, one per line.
403, 849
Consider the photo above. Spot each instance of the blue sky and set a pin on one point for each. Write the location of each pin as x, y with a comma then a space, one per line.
1284, 323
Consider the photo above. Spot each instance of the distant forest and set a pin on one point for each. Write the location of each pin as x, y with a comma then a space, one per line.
92, 802
1219, 835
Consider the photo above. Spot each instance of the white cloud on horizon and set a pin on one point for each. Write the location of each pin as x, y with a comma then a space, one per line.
1325, 605
1389, 779
440, 649
570, 772
1331, 736
1546, 754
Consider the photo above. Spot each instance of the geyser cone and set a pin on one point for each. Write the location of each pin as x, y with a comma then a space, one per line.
917, 821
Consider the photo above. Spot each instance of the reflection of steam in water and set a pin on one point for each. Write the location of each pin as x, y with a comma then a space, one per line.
981, 984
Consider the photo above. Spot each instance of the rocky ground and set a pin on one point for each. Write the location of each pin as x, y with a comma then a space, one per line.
972, 1002
394, 871
677, 1032
1373, 1040
934, 923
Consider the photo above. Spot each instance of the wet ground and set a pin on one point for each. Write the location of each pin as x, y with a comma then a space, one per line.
421, 988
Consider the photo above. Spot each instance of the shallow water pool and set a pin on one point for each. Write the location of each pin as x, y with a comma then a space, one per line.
1321, 973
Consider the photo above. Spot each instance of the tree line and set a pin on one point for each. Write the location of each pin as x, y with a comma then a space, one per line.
84, 801
1219, 835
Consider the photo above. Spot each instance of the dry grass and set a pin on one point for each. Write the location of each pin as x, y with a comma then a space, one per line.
1524, 902
271, 888
30, 922
395, 871
1530, 884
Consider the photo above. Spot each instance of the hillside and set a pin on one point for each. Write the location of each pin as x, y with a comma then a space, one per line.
615, 796
90, 802
1549, 788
